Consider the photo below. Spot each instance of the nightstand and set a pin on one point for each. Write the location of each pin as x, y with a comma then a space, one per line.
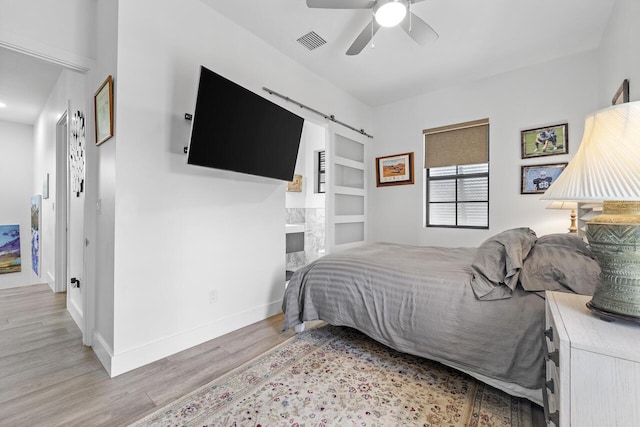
592, 367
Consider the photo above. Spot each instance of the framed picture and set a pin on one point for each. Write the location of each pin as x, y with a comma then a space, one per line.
394, 170
296, 184
36, 222
10, 261
546, 141
622, 94
45, 186
537, 179
103, 109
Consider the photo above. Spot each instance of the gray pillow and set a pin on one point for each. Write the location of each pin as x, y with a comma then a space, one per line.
566, 239
498, 261
560, 262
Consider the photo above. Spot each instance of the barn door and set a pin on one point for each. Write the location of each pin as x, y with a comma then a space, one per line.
346, 189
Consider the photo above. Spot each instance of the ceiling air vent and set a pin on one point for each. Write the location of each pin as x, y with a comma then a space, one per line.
311, 40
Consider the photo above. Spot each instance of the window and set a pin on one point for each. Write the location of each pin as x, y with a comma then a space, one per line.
321, 172
458, 196
457, 175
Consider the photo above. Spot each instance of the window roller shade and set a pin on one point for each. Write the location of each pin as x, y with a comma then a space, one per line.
460, 144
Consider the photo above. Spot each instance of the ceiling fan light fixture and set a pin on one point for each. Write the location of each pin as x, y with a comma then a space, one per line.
390, 13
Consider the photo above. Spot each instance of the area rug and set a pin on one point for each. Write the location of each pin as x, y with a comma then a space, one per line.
334, 376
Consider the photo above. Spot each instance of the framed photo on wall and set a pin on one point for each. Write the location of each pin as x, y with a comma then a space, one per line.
296, 184
545, 141
622, 94
103, 110
536, 179
394, 170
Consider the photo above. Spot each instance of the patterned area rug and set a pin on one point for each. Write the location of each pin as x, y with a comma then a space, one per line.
331, 376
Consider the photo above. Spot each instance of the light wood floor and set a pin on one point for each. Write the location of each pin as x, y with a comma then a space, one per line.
47, 377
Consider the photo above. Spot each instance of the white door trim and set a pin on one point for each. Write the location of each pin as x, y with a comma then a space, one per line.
61, 204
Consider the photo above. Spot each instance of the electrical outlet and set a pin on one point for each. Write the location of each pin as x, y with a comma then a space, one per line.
213, 296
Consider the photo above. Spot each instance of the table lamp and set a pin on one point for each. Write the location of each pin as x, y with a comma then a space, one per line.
607, 167
565, 205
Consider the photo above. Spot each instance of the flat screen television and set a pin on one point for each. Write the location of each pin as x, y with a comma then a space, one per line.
237, 130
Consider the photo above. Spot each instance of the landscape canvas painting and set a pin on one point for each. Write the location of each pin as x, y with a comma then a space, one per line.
10, 249
36, 202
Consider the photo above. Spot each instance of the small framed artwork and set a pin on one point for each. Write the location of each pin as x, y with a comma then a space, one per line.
11, 261
296, 184
622, 94
546, 141
537, 179
394, 170
45, 186
103, 109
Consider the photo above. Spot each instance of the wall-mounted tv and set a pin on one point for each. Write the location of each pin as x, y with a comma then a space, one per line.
237, 130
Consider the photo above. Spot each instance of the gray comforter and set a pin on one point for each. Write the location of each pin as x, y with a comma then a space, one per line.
419, 300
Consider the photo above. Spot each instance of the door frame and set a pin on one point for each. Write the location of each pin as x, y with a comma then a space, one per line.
83, 65
62, 204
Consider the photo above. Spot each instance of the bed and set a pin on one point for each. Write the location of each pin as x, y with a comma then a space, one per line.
479, 310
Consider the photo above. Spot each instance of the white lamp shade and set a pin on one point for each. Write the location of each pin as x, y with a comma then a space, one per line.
390, 13
607, 164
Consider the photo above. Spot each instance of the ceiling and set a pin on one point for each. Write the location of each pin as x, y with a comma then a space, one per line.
477, 39
25, 85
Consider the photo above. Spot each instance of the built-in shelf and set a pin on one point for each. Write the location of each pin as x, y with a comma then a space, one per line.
294, 228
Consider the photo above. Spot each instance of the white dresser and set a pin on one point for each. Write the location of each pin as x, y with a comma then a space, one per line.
593, 367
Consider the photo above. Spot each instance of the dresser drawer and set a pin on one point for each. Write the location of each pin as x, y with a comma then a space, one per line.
550, 333
551, 388
551, 391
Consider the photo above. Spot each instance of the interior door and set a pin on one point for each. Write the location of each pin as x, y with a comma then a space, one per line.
346, 188
61, 195
76, 175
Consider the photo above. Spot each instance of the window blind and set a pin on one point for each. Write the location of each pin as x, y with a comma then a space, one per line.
458, 196
460, 144
321, 172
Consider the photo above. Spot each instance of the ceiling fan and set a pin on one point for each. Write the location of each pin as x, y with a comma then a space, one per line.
387, 13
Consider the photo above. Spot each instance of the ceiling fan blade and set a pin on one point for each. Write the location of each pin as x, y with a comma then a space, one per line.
363, 38
418, 30
341, 4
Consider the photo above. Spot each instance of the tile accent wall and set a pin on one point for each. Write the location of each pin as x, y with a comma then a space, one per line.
295, 215
314, 236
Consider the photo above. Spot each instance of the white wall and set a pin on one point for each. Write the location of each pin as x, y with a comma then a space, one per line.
61, 31
618, 57
555, 92
180, 231
313, 140
16, 189
101, 187
294, 199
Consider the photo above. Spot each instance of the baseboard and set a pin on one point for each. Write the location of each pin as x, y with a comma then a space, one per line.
76, 313
103, 351
134, 358
51, 281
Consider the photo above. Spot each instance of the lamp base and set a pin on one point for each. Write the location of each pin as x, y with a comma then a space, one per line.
572, 228
614, 238
608, 316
